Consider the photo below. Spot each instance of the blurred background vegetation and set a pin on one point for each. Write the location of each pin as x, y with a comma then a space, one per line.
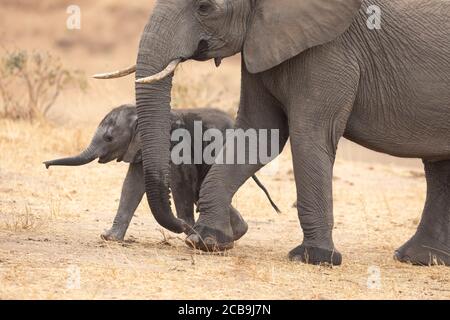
31, 82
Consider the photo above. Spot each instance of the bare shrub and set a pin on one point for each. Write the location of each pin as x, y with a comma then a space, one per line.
30, 83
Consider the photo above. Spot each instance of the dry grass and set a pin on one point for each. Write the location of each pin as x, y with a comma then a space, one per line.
50, 220
18, 221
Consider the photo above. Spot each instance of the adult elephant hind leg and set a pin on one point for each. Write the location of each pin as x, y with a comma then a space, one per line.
313, 157
317, 121
431, 243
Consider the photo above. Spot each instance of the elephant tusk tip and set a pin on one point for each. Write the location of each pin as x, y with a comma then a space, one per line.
146, 81
100, 76
116, 74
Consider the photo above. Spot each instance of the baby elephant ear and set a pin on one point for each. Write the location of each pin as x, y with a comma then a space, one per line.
282, 29
134, 152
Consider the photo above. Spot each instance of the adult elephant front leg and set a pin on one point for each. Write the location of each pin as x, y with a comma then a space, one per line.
258, 110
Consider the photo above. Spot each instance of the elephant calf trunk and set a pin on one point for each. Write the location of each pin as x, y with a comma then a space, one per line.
83, 158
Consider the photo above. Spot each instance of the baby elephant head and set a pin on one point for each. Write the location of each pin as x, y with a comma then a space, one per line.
116, 138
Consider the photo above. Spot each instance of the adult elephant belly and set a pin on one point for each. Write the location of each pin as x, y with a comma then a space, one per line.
414, 128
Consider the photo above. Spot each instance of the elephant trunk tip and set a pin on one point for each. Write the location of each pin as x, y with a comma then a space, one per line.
180, 226
47, 164
186, 228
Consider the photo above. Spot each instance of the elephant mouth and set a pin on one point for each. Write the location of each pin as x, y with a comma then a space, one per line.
109, 158
106, 159
202, 52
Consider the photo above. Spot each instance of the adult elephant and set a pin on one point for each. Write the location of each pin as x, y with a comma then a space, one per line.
315, 71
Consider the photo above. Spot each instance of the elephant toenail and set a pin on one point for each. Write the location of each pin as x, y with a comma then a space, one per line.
192, 240
210, 242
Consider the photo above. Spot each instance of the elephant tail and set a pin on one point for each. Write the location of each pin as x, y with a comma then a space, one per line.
263, 188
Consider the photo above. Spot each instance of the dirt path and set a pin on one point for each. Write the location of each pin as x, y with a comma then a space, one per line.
50, 222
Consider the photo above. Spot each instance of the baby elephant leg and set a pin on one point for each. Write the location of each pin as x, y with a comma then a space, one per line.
183, 197
238, 224
133, 190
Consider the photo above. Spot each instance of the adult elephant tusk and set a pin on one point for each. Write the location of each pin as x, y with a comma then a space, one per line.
171, 67
116, 74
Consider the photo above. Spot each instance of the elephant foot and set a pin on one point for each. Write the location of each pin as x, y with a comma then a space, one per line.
112, 235
238, 224
208, 239
239, 230
423, 251
431, 243
315, 255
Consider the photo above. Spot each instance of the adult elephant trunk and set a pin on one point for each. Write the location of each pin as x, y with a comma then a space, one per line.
85, 157
153, 108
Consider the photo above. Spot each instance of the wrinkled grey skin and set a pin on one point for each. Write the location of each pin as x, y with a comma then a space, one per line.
314, 70
116, 139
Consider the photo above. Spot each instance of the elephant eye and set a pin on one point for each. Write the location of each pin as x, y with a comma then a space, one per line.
205, 7
108, 138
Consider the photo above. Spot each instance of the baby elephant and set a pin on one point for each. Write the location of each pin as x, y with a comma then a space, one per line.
116, 138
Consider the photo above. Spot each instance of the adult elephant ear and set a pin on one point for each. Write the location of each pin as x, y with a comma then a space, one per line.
282, 29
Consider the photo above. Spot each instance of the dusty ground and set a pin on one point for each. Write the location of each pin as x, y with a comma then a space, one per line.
50, 221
